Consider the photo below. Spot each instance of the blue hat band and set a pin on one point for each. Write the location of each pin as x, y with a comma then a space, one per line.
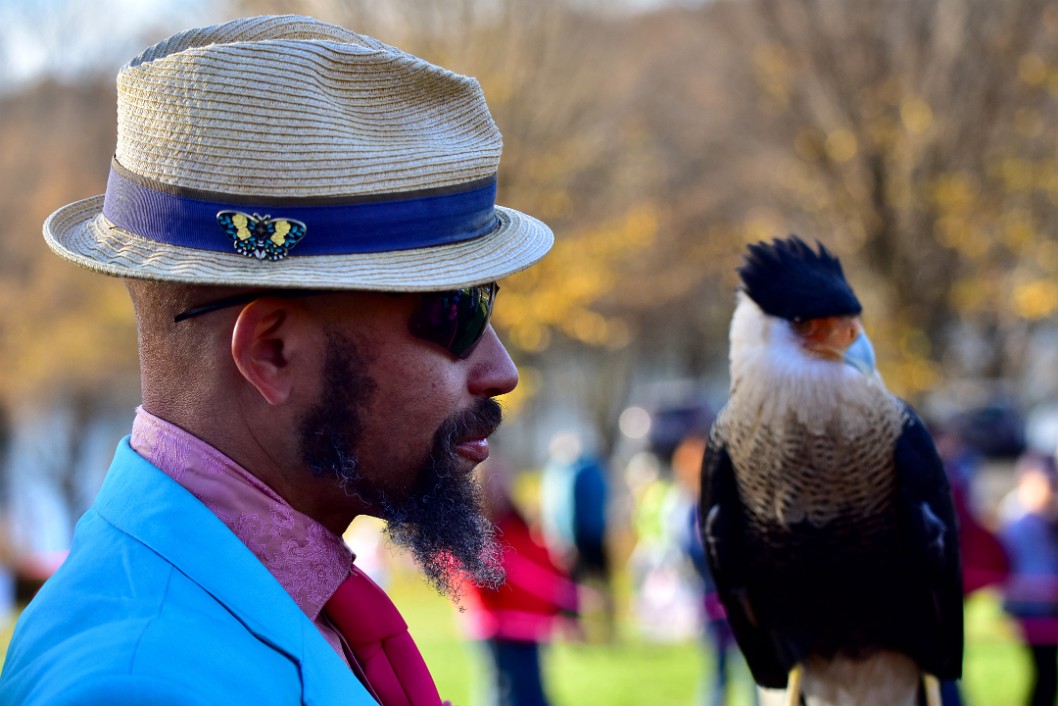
271, 228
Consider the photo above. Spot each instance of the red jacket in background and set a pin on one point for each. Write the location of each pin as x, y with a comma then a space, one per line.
527, 606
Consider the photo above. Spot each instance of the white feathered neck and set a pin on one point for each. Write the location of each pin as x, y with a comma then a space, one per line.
774, 379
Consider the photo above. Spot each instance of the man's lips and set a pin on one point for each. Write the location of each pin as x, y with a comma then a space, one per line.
472, 429
476, 450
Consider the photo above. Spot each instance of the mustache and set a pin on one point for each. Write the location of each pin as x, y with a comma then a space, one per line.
479, 422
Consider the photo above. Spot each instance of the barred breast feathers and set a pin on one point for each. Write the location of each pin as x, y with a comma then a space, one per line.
810, 438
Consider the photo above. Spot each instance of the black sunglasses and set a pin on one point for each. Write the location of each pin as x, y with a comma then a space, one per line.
455, 320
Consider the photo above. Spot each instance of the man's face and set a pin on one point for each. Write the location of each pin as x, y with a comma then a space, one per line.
400, 424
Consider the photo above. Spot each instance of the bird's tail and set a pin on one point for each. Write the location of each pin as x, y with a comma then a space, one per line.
883, 679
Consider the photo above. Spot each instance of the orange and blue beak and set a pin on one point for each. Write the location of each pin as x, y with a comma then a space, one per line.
860, 354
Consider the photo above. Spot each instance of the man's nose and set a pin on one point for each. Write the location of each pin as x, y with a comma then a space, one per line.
492, 371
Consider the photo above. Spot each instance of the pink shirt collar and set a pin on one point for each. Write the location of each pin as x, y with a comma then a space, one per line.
307, 559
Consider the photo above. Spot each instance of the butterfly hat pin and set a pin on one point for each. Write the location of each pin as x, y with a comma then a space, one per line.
262, 237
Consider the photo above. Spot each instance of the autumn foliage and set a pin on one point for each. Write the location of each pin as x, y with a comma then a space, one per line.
916, 139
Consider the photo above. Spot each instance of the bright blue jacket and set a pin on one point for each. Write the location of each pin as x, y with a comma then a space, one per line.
159, 603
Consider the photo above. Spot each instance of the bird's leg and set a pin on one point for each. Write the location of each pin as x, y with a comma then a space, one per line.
793, 686
932, 688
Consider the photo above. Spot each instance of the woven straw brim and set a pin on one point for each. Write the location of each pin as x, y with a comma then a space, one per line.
79, 233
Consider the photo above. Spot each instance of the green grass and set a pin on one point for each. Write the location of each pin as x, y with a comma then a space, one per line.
632, 671
995, 665
628, 670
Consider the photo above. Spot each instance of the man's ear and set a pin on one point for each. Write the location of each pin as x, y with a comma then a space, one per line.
264, 343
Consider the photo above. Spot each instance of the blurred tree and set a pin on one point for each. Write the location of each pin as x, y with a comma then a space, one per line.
918, 137
67, 336
914, 137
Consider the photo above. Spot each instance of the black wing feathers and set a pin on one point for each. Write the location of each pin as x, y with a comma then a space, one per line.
934, 537
723, 532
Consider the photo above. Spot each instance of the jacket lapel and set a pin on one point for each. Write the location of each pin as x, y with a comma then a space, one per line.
151, 507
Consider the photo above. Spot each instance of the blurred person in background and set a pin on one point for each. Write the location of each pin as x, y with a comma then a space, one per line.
982, 555
574, 504
312, 268
515, 619
984, 560
666, 594
1030, 535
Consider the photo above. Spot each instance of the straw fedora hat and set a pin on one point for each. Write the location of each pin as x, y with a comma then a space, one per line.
285, 152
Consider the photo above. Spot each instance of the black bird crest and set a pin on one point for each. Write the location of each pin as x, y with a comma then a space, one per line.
789, 280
